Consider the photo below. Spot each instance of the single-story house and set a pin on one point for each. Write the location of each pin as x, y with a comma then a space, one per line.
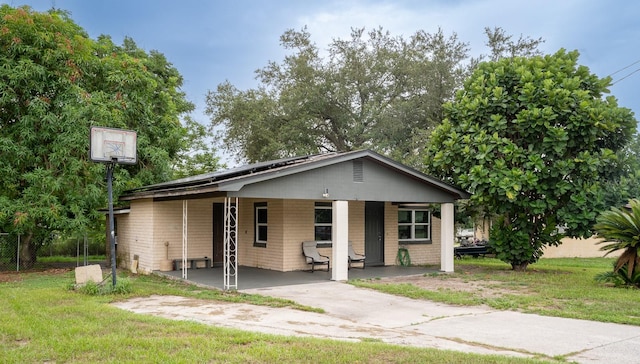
259, 215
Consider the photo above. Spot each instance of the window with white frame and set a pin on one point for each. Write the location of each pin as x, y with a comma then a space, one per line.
322, 221
414, 224
261, 227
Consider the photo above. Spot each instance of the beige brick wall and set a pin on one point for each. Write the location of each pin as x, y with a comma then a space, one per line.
290, 223
298, 216
274, 253
135, 235
269, 257
123, 247
420, 254
298, 225
356, 225
168, 226
150, 225
200, 223
436, 237
248, 254
390, 233
427, 254
168, 229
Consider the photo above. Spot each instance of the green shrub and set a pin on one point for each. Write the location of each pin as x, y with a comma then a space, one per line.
620, 228
123, 286
619, 278
90, 288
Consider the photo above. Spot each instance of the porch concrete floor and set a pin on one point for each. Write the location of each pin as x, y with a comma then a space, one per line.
251, 278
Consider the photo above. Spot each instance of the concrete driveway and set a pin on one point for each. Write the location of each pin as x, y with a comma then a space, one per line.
356, 314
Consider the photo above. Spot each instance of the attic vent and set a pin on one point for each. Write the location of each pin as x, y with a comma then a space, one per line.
358, 172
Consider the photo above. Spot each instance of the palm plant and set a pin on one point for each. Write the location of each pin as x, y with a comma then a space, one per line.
620, 229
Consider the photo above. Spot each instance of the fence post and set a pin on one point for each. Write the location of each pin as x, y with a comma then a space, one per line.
18, 255
86, 250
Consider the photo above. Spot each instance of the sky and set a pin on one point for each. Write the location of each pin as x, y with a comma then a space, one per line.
213, 41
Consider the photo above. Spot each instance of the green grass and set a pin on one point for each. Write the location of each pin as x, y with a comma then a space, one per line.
551, 287
65, 259
42, 320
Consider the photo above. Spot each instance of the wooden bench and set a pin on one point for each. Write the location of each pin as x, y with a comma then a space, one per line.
193, 263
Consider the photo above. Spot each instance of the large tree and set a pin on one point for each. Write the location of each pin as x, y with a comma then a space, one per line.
371, 91
532, 139
198, 154
56, 82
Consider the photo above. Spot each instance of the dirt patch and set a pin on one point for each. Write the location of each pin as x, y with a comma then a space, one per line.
470, 280
10, 277
6, 277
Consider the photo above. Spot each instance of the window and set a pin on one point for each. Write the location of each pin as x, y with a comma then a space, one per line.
261, 224
322, 221
414, 224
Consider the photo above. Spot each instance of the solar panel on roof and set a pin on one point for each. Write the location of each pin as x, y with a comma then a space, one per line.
224, 174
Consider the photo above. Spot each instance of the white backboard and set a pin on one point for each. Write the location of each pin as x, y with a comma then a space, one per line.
108, 145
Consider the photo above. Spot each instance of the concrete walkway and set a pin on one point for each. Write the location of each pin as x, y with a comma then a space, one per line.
357, 314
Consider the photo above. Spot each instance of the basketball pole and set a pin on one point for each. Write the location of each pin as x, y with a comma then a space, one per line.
112, 235
111, 146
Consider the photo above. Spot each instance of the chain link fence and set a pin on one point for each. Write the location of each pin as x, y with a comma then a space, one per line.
54, 253
9, 252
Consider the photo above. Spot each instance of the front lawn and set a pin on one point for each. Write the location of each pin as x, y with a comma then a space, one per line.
562, 287
42, 321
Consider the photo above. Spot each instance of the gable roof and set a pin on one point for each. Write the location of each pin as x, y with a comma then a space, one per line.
231, 182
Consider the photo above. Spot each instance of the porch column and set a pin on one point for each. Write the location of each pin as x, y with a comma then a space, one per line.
447, 237
340, 241
185, 238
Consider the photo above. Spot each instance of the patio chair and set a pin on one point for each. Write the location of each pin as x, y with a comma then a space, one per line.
311, 255
354, 257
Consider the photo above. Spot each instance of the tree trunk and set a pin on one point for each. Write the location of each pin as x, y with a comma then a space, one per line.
520, 267
27, 251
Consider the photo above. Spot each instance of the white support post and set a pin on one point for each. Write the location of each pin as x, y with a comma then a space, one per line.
340, 241
447, 237
185, 236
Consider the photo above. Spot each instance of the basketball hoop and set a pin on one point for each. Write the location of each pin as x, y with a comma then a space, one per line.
112, 146
108, 145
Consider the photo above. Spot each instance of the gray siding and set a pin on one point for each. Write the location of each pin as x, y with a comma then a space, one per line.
379, 183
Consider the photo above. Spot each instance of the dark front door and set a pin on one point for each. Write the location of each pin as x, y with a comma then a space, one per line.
374, 232
218, 234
